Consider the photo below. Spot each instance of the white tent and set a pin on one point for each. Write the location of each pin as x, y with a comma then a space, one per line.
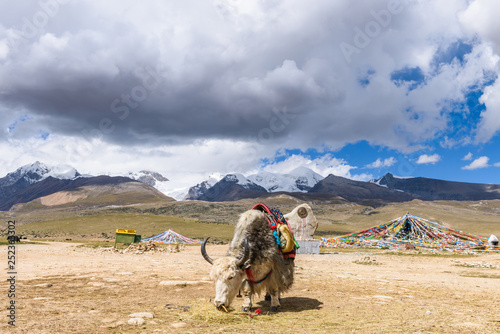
171, 237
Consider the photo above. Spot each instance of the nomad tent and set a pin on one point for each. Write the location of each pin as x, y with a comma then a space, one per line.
170, 237
410, 231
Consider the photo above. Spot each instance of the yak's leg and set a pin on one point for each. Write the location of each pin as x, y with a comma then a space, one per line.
267, 298
247, 293
275, 300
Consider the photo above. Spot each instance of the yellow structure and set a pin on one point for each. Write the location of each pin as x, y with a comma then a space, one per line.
127, 236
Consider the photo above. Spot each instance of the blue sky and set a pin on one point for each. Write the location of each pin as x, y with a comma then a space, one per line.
451, 154
450, 164
198, 87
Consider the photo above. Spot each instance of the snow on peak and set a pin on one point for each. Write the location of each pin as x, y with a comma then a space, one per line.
300, 179
213, 179
36, 168
273, 182
37, 171
302, 170
161, 183
403, 177
383, 179
306, 175
237, 178
200, 189
387, 181
148, 177
63, 172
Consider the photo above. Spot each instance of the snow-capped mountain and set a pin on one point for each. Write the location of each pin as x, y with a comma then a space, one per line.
239, 179
160, 182
24, 177
148, 177
200, 189
38, 180
36, 172
154, 179
230, 188
300, 179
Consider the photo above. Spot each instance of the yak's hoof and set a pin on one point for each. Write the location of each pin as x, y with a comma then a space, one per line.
246, 309
276, 308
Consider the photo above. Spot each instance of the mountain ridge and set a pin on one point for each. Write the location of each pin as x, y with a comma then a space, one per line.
37, 180
436, 189
230, 188
359, 191
300, 179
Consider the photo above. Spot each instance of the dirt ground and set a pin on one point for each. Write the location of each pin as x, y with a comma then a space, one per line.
62, 288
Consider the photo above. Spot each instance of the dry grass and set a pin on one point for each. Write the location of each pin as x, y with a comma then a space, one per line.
205, 312
480, 275
478, 265
337, 291
367, 261
95, 293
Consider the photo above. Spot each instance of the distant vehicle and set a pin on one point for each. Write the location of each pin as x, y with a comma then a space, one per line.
13, 238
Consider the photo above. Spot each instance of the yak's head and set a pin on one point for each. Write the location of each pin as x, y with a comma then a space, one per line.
228, 273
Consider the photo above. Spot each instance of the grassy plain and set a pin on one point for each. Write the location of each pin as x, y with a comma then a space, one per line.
104, 226
200, 219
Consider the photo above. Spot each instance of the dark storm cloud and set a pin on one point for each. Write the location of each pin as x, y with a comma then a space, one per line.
154, 77
133, 73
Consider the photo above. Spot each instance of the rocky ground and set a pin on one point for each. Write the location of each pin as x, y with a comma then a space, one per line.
62, 288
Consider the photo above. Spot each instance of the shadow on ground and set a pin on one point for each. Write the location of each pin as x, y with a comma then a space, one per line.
294, 304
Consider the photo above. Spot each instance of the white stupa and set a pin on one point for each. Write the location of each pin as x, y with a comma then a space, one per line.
493, 241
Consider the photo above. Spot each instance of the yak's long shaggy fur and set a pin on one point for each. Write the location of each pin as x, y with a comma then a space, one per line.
264, 253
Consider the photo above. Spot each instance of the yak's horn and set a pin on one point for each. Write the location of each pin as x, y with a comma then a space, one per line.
245, 257
204, 252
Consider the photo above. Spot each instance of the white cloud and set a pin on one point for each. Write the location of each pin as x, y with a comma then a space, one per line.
496, 164
490, 117
428, 159
481, 19
4, 49
382, 163
254, 52
184, 165
263, 55
481, 162
467, 157
324, 166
